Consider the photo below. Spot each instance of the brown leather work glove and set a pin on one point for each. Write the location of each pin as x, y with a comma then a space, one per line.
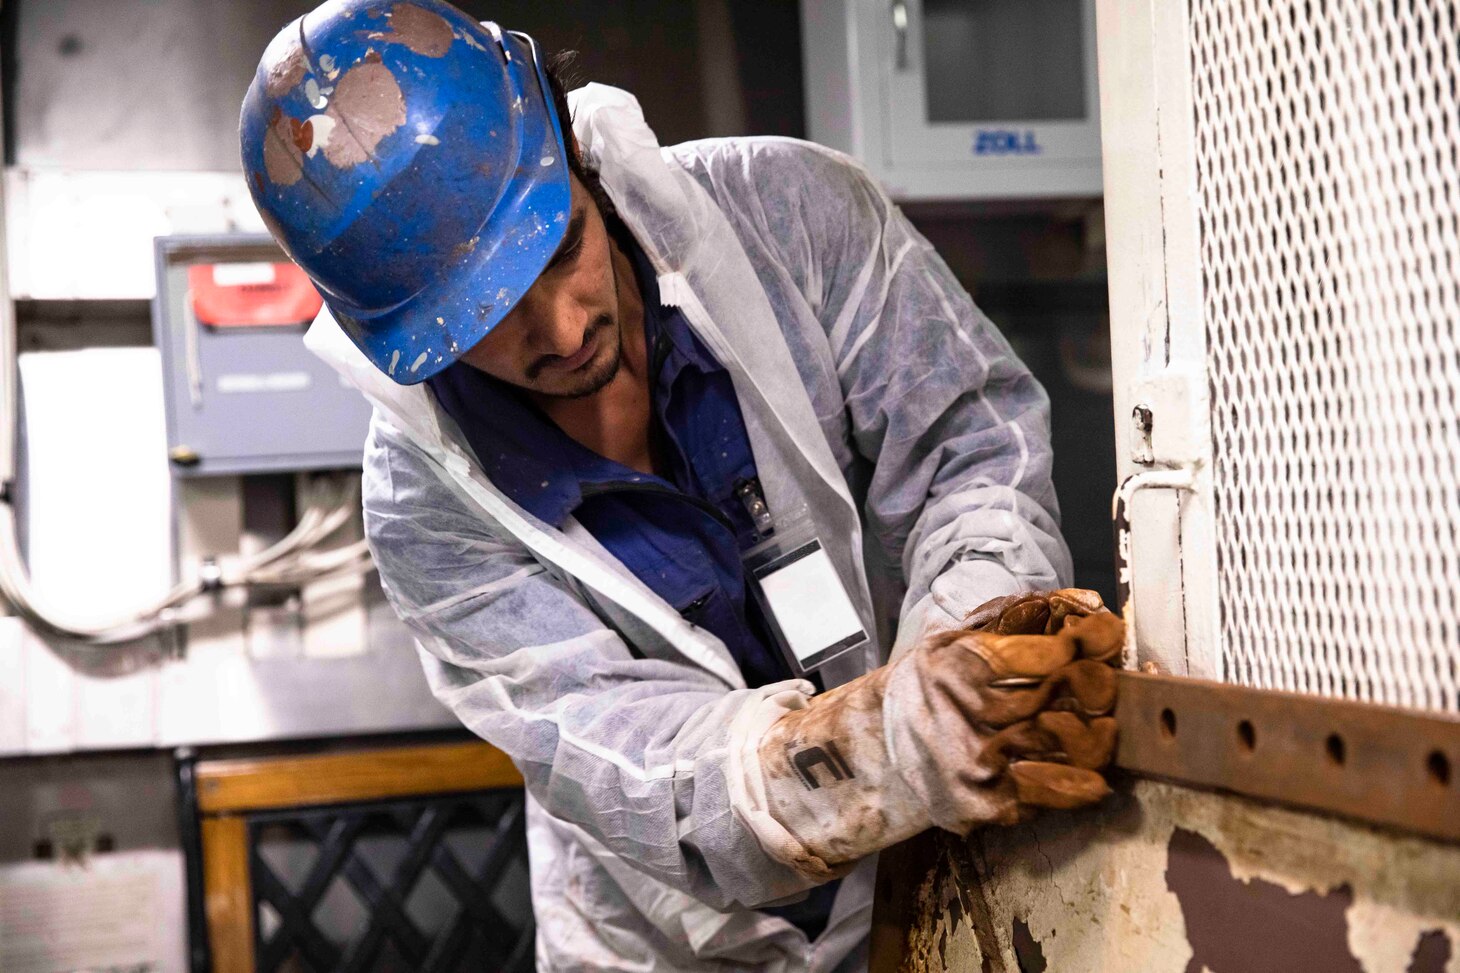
968, 728
1043, 690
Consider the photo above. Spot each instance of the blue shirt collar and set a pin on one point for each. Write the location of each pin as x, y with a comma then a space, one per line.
522, 451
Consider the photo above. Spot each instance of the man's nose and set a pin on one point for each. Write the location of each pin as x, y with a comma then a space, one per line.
558, 321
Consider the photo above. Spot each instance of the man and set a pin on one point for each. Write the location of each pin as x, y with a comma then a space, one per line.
634, 408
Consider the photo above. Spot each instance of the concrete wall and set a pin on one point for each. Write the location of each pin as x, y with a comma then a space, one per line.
1162, 879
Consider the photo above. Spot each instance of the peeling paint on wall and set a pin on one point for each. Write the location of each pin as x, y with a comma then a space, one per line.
1432, 953
1163, 879
1027, 950
1254, 925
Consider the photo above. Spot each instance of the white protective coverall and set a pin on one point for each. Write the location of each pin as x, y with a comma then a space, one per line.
873, 392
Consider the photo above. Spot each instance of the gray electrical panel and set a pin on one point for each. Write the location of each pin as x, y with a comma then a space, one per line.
243, 393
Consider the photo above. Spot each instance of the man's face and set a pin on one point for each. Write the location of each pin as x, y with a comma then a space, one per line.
563, 338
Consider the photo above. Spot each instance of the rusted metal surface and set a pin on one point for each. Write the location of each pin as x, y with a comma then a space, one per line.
900, 870
1383, 766
1159, 877
1168, 879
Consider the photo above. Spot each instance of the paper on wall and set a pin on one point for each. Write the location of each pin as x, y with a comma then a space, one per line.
98, 489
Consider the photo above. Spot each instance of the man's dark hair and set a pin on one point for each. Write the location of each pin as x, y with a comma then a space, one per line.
559, 69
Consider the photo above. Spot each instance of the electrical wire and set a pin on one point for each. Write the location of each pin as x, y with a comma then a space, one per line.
292, 560
351, 560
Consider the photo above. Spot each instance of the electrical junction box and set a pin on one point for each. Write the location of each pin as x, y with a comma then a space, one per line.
243, 394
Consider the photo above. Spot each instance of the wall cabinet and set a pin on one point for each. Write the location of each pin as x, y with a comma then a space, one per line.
958, 99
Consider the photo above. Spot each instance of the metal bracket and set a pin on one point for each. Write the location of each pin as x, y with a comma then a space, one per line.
1170, 435
1375, 764
1170, 418
1180, 479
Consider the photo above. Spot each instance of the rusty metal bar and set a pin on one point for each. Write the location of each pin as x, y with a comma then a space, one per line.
1384, 766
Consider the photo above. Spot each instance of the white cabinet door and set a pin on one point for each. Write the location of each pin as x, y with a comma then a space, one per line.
994, 83
958, 99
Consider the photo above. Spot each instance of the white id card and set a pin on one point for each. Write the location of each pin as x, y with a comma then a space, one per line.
805, 605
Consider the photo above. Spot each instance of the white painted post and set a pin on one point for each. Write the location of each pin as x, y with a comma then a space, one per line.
1158, 345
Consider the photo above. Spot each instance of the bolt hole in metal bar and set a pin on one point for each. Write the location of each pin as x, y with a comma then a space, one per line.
1376, 764
1247, 735
1337, 749
1439, 768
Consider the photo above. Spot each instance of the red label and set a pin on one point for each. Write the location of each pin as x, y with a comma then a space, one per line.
252, 295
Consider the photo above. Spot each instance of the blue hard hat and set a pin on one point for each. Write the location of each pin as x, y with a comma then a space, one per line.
411, 161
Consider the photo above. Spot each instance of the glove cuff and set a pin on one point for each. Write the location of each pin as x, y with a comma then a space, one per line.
821, 773
747, 782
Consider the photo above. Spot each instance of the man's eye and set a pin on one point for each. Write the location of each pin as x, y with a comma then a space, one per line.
567, 254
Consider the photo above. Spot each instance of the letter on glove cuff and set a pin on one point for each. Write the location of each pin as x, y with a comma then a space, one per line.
821, 774
750, 786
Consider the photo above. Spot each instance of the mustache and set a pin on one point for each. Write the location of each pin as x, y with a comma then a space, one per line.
599, 323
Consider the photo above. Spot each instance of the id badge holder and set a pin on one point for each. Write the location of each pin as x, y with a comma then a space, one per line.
806, 607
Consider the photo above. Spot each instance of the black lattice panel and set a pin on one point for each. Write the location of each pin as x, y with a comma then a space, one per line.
426, 886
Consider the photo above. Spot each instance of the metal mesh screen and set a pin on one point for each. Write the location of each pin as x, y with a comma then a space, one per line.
1329, 185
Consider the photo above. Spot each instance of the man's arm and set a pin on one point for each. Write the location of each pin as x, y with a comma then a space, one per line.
955, 426
632, 750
